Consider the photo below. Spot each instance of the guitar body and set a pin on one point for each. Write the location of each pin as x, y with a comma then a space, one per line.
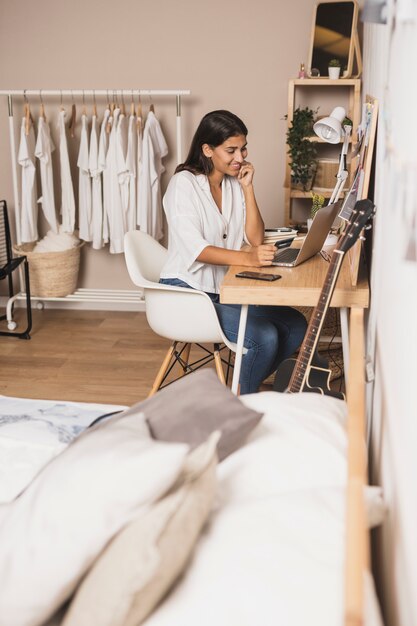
317, 379
307, 372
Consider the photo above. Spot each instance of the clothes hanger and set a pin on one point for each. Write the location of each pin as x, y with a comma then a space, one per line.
151, 106
84, 107
122, 108
73, 119
132, 105
111, 107
28, 114
42, 111
113, 103
139, 115
94, 104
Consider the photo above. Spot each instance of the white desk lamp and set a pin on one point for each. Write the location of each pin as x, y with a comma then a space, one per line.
330, 129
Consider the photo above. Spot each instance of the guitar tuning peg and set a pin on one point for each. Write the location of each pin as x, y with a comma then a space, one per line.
368, 227
362, 238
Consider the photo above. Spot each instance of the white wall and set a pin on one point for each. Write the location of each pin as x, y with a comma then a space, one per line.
392, 339
234, 55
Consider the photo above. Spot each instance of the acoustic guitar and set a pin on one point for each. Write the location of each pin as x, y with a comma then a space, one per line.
304, 373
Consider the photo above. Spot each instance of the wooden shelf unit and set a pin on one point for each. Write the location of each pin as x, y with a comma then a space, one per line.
348, 93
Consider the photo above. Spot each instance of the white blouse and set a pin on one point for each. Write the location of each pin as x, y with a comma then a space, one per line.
195, 222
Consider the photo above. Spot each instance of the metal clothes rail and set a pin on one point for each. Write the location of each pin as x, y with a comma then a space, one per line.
83, 295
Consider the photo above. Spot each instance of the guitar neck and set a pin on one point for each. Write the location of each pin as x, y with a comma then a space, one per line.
315, 325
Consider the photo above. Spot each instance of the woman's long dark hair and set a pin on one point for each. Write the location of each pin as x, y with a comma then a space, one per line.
214, 129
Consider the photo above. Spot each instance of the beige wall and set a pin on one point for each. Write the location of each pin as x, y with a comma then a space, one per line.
233, 55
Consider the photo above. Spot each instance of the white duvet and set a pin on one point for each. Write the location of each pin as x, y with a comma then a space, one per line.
273, 550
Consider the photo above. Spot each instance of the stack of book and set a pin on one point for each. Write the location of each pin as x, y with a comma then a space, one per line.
272, 235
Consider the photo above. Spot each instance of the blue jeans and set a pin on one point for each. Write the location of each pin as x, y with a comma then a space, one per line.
273, 333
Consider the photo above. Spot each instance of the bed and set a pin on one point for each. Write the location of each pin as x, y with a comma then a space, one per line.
276, 532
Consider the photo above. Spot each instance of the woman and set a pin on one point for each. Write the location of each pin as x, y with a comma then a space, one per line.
211, 212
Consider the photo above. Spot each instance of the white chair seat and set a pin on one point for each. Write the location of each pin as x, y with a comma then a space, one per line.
177, 313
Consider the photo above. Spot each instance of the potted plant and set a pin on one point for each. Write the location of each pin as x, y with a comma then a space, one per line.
318, 201
303, 152
334, 69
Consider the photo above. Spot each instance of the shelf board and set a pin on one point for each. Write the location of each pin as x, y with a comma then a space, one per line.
297, 193
318, 82
315, 139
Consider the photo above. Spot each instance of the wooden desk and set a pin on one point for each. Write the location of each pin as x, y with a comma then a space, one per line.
299, 286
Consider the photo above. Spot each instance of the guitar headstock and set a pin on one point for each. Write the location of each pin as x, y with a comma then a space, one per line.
361, 214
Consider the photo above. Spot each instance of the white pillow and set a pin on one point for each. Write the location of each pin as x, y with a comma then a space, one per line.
51, 534
32, 432
301, 443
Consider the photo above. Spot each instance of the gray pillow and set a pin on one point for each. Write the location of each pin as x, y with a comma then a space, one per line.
191, 408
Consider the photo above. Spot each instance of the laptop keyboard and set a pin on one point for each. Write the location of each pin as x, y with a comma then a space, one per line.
287, 255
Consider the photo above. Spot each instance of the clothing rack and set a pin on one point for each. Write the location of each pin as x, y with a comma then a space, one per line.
86, 295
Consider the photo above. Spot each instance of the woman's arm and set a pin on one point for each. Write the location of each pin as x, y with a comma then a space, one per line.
257, 256
254, 225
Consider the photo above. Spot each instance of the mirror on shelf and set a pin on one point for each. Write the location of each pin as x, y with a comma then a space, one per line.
334, 36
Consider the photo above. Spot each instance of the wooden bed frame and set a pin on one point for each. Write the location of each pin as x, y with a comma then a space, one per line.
357, 561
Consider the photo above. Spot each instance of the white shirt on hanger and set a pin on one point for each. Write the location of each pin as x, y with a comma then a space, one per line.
29, 210
43, 150
122, 172
114, 203
131, 158
84, 185
139, 151
103, 146
154, 148
67, 191
96, 187
195, 222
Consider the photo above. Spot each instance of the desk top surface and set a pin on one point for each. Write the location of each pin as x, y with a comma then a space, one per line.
299, 286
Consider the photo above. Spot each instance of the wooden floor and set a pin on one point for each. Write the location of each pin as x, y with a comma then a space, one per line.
84, 356
89, 356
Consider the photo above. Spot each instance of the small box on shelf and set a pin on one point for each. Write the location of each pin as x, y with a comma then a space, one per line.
326, 173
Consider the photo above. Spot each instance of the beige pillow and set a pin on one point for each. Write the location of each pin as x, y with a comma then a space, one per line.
139, 566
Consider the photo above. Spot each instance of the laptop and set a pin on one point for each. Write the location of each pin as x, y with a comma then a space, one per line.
314, 240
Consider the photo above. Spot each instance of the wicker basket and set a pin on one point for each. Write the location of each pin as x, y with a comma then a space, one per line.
52, 274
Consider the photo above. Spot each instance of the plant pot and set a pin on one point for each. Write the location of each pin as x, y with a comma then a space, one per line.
308, 186
334, 73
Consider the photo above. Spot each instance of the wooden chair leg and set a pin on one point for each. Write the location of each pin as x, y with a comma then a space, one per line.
218, 362
185, 357
162, 371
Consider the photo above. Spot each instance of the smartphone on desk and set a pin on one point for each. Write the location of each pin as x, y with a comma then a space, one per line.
284, 243
258, 276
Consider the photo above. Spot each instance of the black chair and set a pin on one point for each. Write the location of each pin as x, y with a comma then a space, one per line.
8, 265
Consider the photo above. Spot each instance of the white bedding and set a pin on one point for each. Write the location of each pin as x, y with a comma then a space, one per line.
32, 432
273, 551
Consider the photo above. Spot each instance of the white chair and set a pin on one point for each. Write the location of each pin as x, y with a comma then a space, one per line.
182, 315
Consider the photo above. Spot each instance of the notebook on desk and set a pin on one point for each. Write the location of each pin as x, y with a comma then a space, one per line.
314, 240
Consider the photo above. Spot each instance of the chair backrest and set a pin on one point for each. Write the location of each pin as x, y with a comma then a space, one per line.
144, 256
5, 239
177, 313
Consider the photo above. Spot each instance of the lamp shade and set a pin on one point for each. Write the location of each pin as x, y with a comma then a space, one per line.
330, 128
